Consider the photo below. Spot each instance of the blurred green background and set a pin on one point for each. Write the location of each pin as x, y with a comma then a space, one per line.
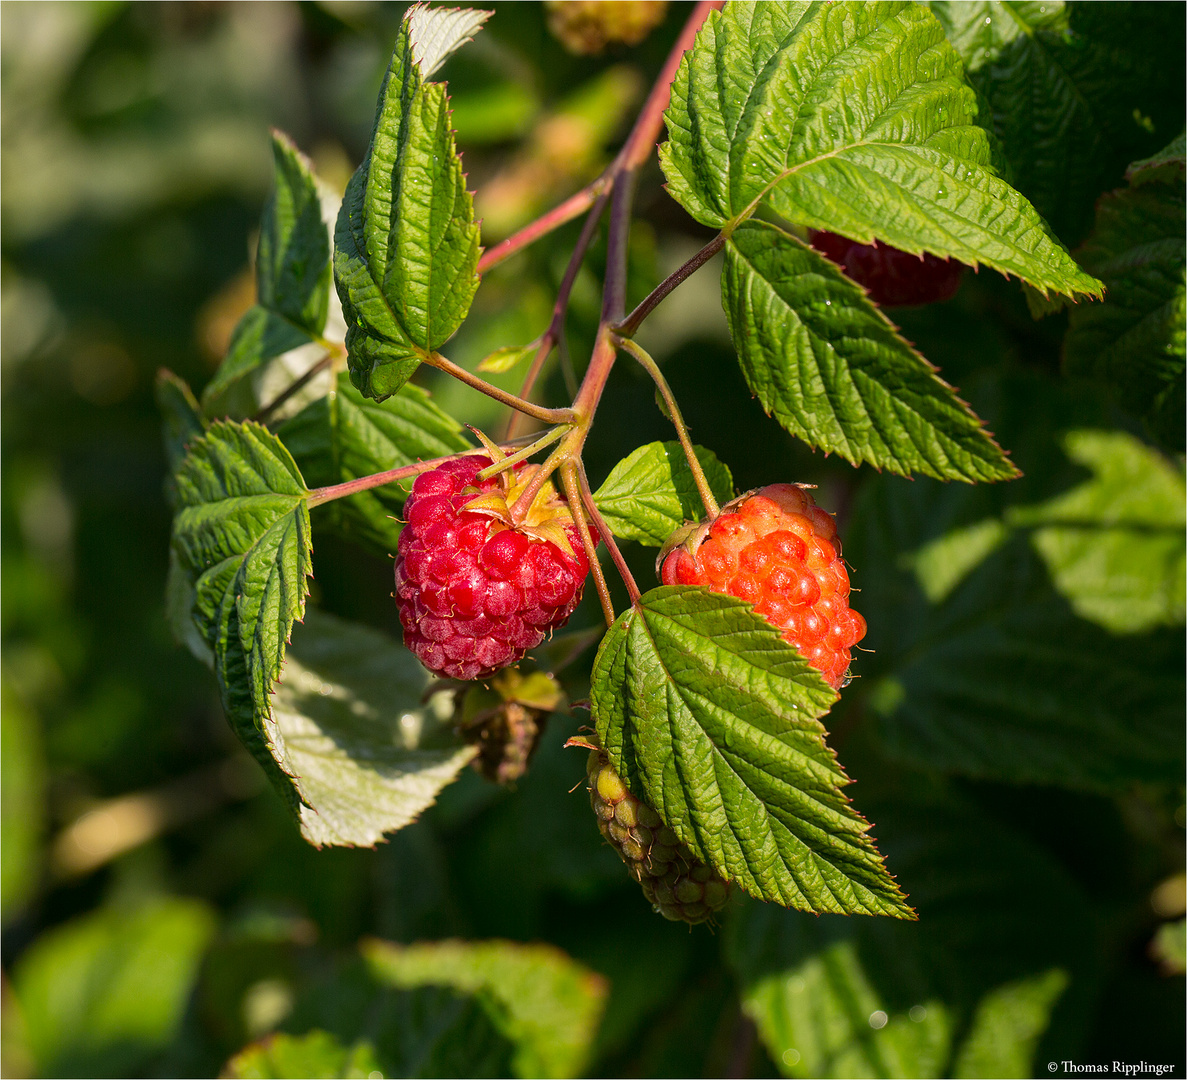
159, 908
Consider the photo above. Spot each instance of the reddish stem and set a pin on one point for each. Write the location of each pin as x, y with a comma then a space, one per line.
572, 207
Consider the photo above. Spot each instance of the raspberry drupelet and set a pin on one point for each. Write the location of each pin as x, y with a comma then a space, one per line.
476, 590
777, 549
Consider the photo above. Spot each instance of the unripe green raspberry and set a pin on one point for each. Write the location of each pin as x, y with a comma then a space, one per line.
678, 885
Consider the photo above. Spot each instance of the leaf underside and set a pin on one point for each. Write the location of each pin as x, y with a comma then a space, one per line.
712, 719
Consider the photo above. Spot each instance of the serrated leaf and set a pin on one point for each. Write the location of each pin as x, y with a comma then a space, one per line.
712, 719
242, 539
292, 274
1065, 87
1166, 166
343, 435
506, 358
406, 244
437, 33
105, 992
984, 661
651, 492
548, 1004
315, 1055
853, 118
371, 756
834, 371
1136, 341
179, 608
967, 991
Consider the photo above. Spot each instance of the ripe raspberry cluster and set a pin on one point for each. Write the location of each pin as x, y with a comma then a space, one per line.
679, 886
777, 549
893, 278
474, 590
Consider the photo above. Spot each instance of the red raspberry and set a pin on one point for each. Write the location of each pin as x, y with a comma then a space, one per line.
894, 278
475, 591
776, 548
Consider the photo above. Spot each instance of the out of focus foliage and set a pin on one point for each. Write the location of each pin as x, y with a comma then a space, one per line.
161, 913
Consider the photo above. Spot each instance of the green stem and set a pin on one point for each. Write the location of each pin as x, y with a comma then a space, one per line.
572, 486
587, 500
537, 412
295, 387
652, 369
512, 460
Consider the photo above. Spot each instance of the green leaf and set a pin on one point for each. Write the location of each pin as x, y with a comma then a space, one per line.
22, 788
712, 719
292, 274
371, 756
179, 611
1113, 545
1136, 341
546, 1003
406, 244
316, 1054
104, 992
506, 358
343, 435
978, 601
242, 539
1166, 166
651, 492
260, 335
428, 1031
966, 991
854, 118
834, 370
1066, 88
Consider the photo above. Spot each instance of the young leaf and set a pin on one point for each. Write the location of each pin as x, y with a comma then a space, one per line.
651, 492
343, 435
834, 370
712, 719
242, 539
1136, 341
967, 991
406, 244
106, 992
506, 358
550, 1004
853, 118
292, 274
1062, 84
984, 661
370, 755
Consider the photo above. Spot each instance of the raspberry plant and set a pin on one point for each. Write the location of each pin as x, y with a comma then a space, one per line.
796, 135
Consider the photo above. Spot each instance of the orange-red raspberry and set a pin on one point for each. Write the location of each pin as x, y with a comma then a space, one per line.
778, 550
475, 588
